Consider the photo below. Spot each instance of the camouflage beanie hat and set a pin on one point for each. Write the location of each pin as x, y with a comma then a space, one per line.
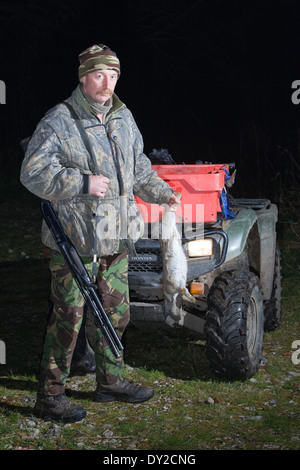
97, 57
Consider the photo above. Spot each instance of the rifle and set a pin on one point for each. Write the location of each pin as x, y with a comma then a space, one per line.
81, 276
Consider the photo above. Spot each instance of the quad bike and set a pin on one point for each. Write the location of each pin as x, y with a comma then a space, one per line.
233, 268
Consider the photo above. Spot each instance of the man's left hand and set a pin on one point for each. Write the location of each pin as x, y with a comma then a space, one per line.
174, 202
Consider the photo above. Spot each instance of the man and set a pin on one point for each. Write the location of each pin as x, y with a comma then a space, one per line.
92, 187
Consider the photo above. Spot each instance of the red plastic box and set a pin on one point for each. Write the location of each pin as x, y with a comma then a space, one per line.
200, 187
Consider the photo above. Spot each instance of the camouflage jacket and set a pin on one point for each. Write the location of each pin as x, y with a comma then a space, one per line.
57, 166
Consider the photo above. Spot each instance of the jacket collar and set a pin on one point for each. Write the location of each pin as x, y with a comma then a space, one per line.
117, 105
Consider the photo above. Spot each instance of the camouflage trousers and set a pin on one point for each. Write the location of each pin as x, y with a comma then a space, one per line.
66, 319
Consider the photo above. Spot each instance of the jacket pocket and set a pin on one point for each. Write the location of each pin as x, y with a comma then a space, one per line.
78, 219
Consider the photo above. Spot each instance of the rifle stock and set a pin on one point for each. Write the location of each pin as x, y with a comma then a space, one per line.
81, 276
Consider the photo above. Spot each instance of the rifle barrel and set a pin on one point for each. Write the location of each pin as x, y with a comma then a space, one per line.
81, 276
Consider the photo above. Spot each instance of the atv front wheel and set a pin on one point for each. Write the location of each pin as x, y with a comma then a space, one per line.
235, 325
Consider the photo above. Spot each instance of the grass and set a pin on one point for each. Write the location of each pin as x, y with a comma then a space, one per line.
191, 409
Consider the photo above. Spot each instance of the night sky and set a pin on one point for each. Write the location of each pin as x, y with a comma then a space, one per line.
209, 80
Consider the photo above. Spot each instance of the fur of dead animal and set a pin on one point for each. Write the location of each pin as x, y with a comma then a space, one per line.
174, 259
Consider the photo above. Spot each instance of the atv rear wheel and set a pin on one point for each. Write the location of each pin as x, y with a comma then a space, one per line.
235, 325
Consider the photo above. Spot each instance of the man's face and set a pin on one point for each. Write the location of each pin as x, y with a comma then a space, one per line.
100, 85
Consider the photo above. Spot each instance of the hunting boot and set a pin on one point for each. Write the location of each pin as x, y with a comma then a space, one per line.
123, 390
58, 407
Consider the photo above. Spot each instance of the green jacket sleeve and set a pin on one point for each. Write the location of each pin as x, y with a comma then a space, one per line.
44, 170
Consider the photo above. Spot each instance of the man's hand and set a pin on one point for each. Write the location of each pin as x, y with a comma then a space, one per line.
174, 202
98, 185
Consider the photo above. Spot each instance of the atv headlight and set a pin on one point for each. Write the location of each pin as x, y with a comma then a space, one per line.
202, 247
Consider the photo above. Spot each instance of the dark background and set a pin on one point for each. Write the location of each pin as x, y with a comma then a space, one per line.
208, 80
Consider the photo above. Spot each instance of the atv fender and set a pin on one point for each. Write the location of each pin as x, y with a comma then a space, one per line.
238, 231
267, 219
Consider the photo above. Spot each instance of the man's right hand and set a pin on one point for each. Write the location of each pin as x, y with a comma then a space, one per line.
98, 185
